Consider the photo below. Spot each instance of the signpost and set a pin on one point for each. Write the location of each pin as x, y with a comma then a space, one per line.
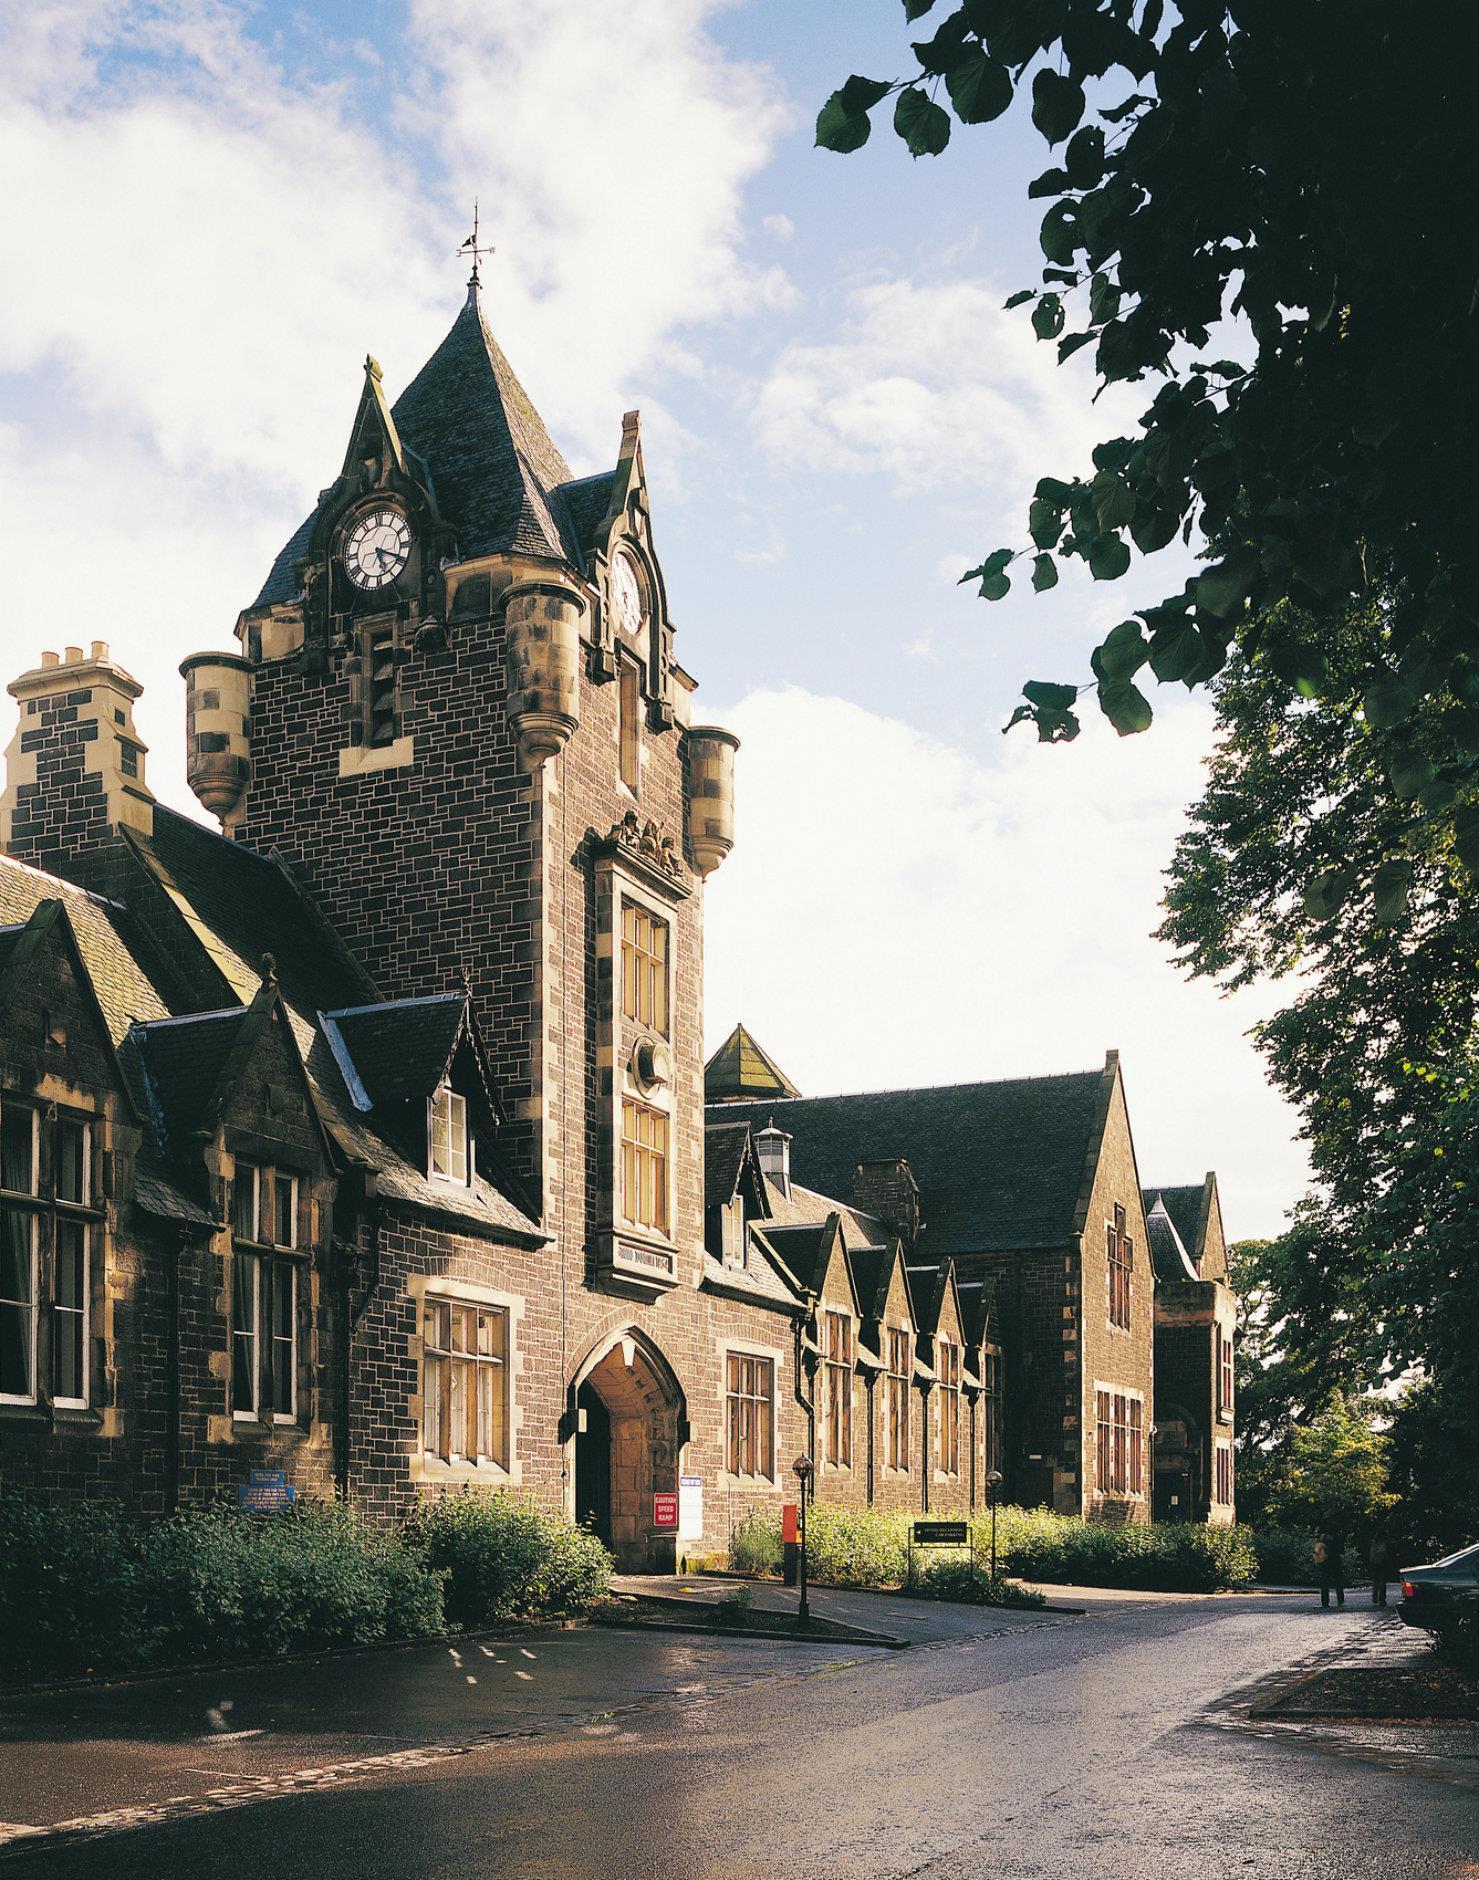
993, 1495
940, 1533
665, 1511
265, 1491
690, 1507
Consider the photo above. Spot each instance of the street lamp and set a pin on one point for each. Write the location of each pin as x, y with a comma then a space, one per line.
803, 1469
993, 1496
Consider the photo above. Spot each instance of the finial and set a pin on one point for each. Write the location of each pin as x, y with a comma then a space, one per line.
372, 368
471, 247
269, 970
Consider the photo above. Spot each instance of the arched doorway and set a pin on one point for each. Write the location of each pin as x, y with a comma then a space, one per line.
629, 1430
1177, 1484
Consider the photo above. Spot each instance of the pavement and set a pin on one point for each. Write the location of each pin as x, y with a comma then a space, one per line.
1123, 1742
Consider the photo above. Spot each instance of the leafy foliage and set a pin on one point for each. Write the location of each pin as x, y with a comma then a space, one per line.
1335, 1477
89, 1588
1240, 159
504, 1557
1286, 1557
755, 1545
966, 1583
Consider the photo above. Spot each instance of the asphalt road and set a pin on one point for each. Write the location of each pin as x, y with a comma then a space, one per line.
1112, 1745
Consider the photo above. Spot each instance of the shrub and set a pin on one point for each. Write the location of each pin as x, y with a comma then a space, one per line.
970, 1584
755, 1545
1168, 1557
856, 1548
1286, 1557
1457, 1643
733, 1608
91, 1588
506, 1558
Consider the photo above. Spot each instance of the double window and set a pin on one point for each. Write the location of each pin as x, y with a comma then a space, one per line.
898, 1384
644, 968
264, 1293
991, 1408
948, 1368
1120, 1460
644, 1165
48, 1229
464, 1382
749, 1415
451, 1145
1121, 1252
1224, 1464
837, 1369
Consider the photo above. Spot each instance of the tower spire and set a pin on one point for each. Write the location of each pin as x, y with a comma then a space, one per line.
471, 247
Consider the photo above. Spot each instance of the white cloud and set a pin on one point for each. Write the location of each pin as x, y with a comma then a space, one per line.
781, 226
935, 386
897, 912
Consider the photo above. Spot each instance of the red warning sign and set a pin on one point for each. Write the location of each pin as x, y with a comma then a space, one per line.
665, 1511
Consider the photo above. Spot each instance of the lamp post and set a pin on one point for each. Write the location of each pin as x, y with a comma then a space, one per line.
803, 1469
993, 1495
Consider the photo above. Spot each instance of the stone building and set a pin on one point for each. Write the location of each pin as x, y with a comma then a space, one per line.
365, 1140
1025, 1192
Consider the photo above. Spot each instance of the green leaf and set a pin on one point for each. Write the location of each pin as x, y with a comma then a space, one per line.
840, 129
1113, 499
938, 54
1047, 317
923, 125
1084, 157
1411, 773
1015, 300
1054, 490
1044, 573
1466, 836
1221, 590
1176, 650
1044, 522
1068, 347
1387, 703
1104, 299
861, 94
1152, 529
1057, 236
1057, 105
1126, 707
1058, 698
1390, 887
1121, 653
1109, 557
1050, 183
916, 9
995, 582
980, 88
1327, 893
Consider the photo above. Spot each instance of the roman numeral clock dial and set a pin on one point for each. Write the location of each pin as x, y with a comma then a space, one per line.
377, 548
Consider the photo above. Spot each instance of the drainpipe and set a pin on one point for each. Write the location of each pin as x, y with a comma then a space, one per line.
869, 1381
177, 1245
358, 1267
924, 1448
807, 1404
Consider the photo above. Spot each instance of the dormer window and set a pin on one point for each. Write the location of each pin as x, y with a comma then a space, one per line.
451, 1146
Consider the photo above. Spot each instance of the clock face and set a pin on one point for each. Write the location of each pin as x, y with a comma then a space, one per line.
626, 593
377, 548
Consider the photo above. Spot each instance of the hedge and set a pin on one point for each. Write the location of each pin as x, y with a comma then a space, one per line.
90, 1588
865, 1547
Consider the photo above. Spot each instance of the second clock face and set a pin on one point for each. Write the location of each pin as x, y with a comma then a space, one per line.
377, 548
626, 593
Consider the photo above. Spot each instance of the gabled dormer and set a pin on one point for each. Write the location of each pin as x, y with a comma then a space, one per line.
734, 1192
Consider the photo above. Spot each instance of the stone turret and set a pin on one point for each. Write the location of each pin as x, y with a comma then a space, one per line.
710, 795
74, 771
542, 620
218, 730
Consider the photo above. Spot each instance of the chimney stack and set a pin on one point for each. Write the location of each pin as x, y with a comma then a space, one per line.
74, 771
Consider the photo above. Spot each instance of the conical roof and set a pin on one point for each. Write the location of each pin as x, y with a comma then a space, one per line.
743, 1071
496, 473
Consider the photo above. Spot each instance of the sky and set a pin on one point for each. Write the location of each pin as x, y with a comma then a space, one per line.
216, 209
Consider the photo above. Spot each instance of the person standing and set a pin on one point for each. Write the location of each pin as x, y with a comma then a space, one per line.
1328, 1550
1379, 1555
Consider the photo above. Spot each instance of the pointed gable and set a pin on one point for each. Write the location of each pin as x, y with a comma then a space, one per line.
1168, 1252
742, 1070
42, 968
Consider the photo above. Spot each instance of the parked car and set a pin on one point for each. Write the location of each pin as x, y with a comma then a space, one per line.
1445, 1590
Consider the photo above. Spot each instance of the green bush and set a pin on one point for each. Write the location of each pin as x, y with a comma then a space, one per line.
1457, 1644
970, 1584
506, 1558
1167, 1557
860, 1547
1286, 1557
755, 1545
90, 1588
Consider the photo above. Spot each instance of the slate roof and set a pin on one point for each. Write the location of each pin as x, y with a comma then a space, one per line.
801, 1248
585, 503
182, 1061
999, 1165
124, 991
725, 1148
1168, 1253
1184, 1205
757, 1279
742, 1069
492, 466
805, 1205
400, 1049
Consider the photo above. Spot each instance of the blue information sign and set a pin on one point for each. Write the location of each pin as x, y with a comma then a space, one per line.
265, 1491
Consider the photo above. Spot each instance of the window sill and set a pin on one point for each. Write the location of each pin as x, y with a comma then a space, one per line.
356, 759
749, 1484
24, 1413
425, 1468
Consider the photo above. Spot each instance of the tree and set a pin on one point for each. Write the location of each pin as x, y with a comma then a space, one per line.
1301, 170
1335, 1476
1433, 1441
1316, 854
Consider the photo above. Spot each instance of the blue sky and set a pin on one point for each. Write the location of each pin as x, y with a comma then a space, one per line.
228, 205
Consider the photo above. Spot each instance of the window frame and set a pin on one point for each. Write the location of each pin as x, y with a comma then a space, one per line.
643, 1159
272, 1265
898, 1392
77, 1213
948, 1357
441, 1366
646, 970
1222, 1468
456, 1107
1120, 1250
745, 1372
1119, 1443
1225, 1375
838, 1365
51, 1218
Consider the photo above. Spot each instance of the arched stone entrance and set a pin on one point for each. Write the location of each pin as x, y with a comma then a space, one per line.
630, 1427
1178, 1486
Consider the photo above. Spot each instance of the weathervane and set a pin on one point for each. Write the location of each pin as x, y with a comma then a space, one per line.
470, 247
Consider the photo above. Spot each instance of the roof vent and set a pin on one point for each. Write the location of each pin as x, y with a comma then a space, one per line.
773, 1146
